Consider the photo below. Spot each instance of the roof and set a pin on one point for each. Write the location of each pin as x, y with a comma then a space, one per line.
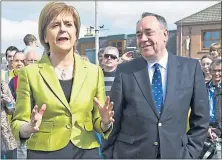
210, 14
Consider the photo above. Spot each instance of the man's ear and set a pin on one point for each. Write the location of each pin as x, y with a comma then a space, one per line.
166, 35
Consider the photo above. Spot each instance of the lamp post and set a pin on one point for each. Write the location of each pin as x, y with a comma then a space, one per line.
96, 33
190, 28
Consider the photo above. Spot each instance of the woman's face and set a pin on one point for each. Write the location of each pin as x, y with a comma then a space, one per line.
213, 54
205, 65
61, 33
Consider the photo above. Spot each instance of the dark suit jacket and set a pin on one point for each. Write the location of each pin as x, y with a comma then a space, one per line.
139, 132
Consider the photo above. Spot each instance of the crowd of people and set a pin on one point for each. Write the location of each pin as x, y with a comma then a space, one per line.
57, 104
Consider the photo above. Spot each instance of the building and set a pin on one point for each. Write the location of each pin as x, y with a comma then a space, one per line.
198, 31
124, 42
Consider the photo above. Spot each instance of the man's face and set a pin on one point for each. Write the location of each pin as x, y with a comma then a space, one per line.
110, 59
216, 73
9, 57
151, 37
31, 57
18, 61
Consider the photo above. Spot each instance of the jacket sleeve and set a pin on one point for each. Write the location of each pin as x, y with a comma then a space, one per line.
117, 98
23, 103
199, 116
100, 94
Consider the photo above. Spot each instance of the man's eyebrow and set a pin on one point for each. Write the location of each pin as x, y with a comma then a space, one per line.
137, 32
146, 30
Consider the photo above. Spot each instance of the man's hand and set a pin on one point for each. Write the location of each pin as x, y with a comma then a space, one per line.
212, 134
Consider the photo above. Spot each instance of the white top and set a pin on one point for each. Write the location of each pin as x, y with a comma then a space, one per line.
163, 69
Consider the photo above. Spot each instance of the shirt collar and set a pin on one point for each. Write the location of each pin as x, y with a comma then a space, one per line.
163, 62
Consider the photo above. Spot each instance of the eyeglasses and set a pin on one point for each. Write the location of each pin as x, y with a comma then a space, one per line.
110, 55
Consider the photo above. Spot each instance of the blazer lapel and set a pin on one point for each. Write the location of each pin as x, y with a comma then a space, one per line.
79, 78
172, 79
142, 78
48, 74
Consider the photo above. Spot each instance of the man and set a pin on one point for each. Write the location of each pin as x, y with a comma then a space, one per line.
31, 57
214, 88
152, 95
18, 63
110, 61
31, 44
7, 73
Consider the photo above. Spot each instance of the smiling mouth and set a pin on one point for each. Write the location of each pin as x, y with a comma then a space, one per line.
146, 46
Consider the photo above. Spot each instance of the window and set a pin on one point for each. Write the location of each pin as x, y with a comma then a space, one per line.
209, 37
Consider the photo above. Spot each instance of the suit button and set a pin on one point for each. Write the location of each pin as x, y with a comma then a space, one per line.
68, 126
159, 124
155, 143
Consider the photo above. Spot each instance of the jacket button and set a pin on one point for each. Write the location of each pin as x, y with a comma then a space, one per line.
159, 124
68, 126
155, 143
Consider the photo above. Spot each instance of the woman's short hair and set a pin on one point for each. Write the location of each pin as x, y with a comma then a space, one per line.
215, 47
49, 12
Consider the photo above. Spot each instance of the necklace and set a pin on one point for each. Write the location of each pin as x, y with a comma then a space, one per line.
65, 73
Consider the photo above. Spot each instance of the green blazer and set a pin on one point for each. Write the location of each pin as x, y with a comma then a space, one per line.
62, 121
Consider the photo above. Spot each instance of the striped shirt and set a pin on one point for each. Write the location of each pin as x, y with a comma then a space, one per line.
109, 78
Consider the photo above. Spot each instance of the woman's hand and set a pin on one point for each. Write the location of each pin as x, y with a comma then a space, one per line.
5, 99
36, 117
105, 111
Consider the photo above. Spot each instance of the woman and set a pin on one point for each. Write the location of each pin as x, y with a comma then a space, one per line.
215, 51
8, 142
205, 63
58, 93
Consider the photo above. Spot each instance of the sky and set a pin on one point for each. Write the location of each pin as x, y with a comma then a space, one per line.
19, 18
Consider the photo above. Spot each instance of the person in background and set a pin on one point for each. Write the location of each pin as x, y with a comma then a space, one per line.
18, 63
214, 88
8, 142
100, 56
31, 57
31, 44
110, 61
215, 51
205, 63
7, 73
61, 99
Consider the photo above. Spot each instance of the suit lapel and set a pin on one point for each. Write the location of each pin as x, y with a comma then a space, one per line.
79, 78
142, 78
48, 74
172, 79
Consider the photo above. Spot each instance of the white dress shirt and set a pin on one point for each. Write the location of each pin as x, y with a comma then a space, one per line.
163, 69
